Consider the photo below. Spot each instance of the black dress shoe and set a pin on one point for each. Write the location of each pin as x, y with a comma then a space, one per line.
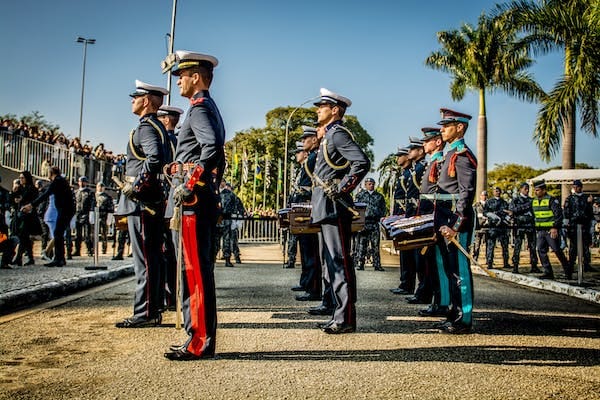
458, 329
323, 325
308, 297
379, 269
546, 276
535, 270
400, 291
320, 310
336, 329
298, 289
30, 262
184, 355
139, 323
416, 300
115, 258
434, 311
360, 268
289, 266
55, 264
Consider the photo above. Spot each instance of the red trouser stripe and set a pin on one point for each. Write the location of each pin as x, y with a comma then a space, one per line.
195, 285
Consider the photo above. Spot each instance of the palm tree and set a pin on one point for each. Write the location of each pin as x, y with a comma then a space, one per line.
484, 59
573, 26
388, 172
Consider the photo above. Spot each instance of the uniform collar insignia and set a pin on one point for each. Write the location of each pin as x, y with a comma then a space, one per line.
458, 145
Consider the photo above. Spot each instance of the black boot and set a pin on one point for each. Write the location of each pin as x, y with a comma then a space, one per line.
228, 262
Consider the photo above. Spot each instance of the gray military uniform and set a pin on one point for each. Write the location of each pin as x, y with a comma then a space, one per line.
335, 218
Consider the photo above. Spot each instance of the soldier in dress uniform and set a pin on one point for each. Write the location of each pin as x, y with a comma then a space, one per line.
296, 196
521, 211
311, 275
548, 223
84, 204
416, 154
200, 157
435, 276
400, 207
495, 210
142, 201
454, 219
578, 210
169, 116
340, 166
369, 236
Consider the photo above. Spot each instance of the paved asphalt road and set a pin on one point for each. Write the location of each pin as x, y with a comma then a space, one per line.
527, 345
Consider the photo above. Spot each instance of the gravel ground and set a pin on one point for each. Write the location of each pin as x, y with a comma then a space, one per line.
527, 345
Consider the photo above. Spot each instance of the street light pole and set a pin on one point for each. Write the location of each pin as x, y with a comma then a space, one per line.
85, 43
170, 49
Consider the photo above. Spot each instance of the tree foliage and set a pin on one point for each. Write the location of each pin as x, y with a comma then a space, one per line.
484, 59
268, 143
33, 119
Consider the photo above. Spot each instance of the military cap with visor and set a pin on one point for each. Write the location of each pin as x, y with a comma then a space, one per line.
329, 97
449, 116
143, 88
188, 59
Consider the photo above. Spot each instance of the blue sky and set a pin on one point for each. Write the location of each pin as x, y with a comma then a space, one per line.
271, 53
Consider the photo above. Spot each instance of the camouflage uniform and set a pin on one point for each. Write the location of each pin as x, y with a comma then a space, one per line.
105, 207
481, 228
369, 236
84, 204
231, 205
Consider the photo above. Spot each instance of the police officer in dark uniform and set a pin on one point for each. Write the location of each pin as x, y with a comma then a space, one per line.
311, 275
84, 204
521, 212
142, 201
340, 166
495, 210
200, 157
434, 275
454, 218
369, 236
400, 207
548, 223
578, 210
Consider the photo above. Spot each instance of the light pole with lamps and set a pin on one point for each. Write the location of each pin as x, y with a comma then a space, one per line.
85, 43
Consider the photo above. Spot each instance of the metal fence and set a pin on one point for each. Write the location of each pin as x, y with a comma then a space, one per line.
256, 230
20, 153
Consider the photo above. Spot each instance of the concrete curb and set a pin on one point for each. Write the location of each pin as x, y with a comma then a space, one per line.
16, 299
579, 292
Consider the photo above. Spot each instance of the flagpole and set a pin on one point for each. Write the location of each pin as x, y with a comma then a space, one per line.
254, 186
278, 183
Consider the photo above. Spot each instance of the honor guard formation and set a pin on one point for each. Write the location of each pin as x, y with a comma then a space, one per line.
179, 214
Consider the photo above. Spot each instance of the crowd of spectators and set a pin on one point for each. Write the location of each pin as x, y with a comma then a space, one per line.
56, 138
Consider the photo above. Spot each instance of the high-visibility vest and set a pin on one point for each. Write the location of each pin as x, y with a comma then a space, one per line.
544, 217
